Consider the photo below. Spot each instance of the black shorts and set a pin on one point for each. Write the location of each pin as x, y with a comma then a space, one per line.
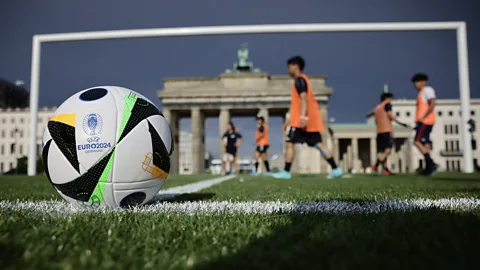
232, 151
297, 135
423, 133
384, 141
262, 148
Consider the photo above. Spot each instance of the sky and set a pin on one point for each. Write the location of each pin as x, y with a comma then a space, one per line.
357, 65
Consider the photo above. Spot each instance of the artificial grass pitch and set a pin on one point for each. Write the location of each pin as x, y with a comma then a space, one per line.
432, 238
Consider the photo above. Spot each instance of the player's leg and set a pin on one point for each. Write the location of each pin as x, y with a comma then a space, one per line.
236, 164
294, 136
384, 145
421, 137
257, 159
326, 154
264, 157
227, 157
428, 144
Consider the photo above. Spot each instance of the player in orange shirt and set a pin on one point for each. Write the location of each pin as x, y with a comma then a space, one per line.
383, 119
425, 119
306, 122
262, 141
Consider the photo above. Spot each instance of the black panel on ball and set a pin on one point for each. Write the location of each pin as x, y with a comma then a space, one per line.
140, 111
93, 94
45, 158
64, 137
133, 199
161, 158
82, 187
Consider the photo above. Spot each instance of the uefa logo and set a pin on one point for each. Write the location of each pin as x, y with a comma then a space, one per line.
92, 124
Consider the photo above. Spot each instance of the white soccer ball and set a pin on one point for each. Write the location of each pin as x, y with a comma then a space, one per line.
107, 146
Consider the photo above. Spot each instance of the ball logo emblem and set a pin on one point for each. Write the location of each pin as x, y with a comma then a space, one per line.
92, 124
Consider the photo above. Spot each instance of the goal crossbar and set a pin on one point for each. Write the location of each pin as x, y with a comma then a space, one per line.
458, 26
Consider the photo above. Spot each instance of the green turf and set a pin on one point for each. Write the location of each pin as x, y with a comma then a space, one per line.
430, 239
359, 187
39, 188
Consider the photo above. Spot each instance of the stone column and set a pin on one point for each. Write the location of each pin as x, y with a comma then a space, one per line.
173, 120
355, 149
403, 150
373, 151
394, 159
336, 150
198, 140
223, 120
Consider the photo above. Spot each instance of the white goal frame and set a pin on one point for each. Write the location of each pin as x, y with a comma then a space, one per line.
459, 26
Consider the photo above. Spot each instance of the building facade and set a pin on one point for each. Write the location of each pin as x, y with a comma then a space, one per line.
354, 145
15, 132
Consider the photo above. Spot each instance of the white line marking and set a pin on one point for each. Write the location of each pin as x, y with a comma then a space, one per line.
190, 188
256, 207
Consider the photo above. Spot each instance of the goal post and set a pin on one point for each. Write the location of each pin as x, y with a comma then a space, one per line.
458, 26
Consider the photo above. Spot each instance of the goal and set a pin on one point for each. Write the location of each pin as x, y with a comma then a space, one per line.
459, 27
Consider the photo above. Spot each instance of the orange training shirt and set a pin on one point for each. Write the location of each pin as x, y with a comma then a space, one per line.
265, 139
315, 121
384, 123
422, 107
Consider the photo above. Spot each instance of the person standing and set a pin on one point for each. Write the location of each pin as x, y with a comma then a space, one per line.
231, 142
262, 142
425, 120
305, 120
383, 119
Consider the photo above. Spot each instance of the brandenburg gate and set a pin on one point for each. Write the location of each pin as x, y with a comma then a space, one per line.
243, 91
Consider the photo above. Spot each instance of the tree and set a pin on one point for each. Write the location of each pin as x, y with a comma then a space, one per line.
12, 96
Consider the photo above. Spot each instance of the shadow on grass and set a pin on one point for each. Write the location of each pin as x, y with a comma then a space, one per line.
430, 239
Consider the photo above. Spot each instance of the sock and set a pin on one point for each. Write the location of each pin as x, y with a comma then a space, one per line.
227, 168
267, 166
256, 166
288, 165
378, 162
428, 161
332, 163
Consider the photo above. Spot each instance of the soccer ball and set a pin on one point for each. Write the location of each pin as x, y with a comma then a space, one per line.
107, 146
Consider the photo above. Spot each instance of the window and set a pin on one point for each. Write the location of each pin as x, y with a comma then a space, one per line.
21, 120
439, 113
474, 144
408, 113
456, 129
13, 120
12, 148
3, 120
3, 133
446, 129
451, 146
457, 145
451, 129
446, 146
458, 165
447, 162
397, 114
450, 113
20, 149
472, 113
1, 167
2, 149
21, 133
